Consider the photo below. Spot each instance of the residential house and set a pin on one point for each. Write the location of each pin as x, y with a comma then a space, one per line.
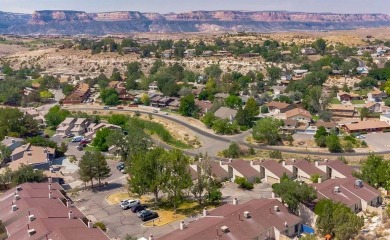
340, 110
346, 96
334, 169
79, 95
376, 95
351, 191
240, 168
35, 211
289, 126
164, 102
11, 143
79, 126
279, 107
299, 73
327, 125
189, 53
155, 100
385, 109
270, 171
204, 106
256, 219
153, 87
367, 126
37, 157
218, 172
226, 113
309, 51
167, 53
299, 115
303, 170
373, 106
65, 127
93, 128
207, 53
127, 50
27, 91
278, 90
221, 96
174, 105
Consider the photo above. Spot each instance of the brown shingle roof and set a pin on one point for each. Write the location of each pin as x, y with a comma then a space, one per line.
325, 124
297, 111
261, 219
278, 105
244, 167
275, 168
369, 124
341, 107
338, 166
306, 167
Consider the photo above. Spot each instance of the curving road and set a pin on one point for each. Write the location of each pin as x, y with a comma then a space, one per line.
219, 139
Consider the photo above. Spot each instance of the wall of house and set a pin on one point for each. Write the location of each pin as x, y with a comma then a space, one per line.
235, 174
269, 233
270, 177
307, 215
300, 118
17, 156
336, 174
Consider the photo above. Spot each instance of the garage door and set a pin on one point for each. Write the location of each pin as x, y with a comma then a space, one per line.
272, 180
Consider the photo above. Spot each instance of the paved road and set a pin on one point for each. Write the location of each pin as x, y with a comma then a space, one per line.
218, 140
361, 62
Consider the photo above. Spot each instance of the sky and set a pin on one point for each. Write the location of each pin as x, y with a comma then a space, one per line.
165, 6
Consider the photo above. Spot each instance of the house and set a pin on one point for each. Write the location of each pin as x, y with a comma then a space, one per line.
27, 91
256, 219
303, 170
37, 157
279, 107
346, 96
270, 171
65, 127
153, 87
327, 125
204, 106
340, 110
299, 115
218, 172
299, 73
79, 126
221, 96
207, 53
240, 168
155, 100
167, 53
385, 109
35, 211
334, 169
226, 113
79, 95
127, 50
289, 126
164, 102
278, 90
189, 53
11, 143
367, 126
308, 51
93, 128
351, 191
373, 106
174, 104
385, 118
376, 95
362, 70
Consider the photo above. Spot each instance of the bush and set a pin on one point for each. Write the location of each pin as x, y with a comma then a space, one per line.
233, 151
276, 154
243, 183
364, 144
100, 225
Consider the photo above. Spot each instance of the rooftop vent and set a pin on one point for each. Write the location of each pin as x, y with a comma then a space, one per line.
90, 224
358, 183
246, 214
14, 207
31, 217
336, 189
235, 201
16, 197
31, 231
18, 188
182, 225
285, 224
225, 229
276, 208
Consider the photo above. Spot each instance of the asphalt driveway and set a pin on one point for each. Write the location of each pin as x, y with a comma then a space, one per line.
378, 141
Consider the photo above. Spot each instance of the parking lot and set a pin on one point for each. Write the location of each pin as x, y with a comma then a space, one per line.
378, 141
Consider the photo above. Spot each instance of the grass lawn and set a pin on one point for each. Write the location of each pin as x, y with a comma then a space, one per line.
358, 102
49, 131
91, 149
335, 101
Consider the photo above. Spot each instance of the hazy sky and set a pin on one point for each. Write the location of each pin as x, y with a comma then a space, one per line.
164, 6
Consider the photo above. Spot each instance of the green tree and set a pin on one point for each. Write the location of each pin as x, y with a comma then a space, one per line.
109, 96
86, 168
293, 193
364, 113
337, 220
5, 153
264, 109
233, 101
177, 177
320, 136
16, 124
56, 115
267, 130
118, 119
26, 173
213, 71
46, 95
320, 45
101, 168
145, 99
67, 89
315, 177
375, 171
333, 143
233, 151
187, 106
147, 175
100, 141
209, 119
6, 177
274, 73
252, 108
243, 183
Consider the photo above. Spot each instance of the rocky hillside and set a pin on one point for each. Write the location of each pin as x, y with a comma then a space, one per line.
78, 22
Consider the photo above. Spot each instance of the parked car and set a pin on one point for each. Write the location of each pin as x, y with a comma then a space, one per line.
106, 107
154, 111
120, 166
138, 208
77, 139
142, 212
361, 137
149, 215
119, 107
80, 148
69, 135
85, 141
129, 203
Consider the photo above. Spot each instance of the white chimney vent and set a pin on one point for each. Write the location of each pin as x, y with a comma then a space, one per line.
205, 213
68, 203
337, 189
31, 231
285, 224
225, 229
70, 214
235, 201
50, 194
276, 208
16, 197
50, 180
49, 186
31, 217
246, 214
293, 160
182, 225
151, 237
90, 224
18, 188
14, 207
